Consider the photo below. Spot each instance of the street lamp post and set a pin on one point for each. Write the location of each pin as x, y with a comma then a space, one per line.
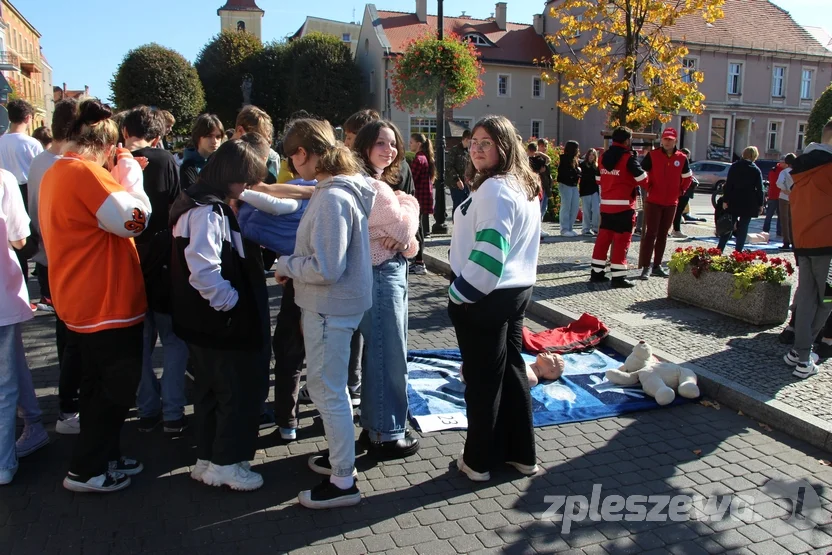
439, 225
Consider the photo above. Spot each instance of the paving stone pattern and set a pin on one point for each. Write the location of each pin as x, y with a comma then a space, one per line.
420, 505
747, 354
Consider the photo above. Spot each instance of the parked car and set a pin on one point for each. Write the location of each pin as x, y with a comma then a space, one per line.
710, 173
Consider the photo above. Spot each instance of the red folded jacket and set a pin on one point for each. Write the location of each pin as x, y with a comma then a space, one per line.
581, 335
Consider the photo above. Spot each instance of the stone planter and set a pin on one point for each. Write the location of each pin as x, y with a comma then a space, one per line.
764, 304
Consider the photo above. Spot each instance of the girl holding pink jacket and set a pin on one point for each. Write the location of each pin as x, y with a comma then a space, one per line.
393, 223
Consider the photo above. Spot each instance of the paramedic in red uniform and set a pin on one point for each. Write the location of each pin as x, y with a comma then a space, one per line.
669, 177
621, 174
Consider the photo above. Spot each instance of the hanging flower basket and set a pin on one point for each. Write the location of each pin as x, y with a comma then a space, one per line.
749, 286
429, 65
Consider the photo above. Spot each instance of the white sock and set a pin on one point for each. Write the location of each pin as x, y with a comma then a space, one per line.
342, 482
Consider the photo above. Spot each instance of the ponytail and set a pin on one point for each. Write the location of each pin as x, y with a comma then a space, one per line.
92, 131
318, 137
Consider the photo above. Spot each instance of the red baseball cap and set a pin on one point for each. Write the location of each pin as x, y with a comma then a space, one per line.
669, 133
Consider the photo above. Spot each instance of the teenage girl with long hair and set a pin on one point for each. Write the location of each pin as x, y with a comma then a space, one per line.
423, 168
393, 224
569, 174
494, 248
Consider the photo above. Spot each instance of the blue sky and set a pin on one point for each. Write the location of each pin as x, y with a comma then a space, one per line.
85, 41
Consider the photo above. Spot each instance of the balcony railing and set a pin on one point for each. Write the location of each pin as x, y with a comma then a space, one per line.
9, 61
30, 62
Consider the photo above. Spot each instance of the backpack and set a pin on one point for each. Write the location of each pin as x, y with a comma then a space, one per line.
155, 259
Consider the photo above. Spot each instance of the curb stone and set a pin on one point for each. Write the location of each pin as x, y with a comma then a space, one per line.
797, 423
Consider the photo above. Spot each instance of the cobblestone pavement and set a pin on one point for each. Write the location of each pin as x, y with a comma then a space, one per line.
422, 505
747, 354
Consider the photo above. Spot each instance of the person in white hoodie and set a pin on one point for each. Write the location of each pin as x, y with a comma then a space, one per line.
785, 184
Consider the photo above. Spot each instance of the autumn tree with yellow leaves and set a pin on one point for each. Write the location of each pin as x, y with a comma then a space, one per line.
616, 55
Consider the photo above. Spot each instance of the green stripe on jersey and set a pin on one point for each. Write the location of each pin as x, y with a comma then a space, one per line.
488, 262
454, 295
493, 236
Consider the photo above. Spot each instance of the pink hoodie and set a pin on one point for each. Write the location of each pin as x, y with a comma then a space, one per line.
394, 214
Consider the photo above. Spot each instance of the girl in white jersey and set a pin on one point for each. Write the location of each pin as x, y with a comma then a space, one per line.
494, 260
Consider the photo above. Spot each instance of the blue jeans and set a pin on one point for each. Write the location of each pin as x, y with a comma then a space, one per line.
591, 206
327, 339
16, 393
166, 396
384, 380
772, 209
458, 196
544, 205
569, 201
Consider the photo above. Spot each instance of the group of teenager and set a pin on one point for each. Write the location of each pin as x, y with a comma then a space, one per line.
137, 249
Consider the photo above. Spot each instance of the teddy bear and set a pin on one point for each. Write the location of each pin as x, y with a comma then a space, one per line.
658, 379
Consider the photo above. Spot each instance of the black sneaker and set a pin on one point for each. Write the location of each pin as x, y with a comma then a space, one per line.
149, 423
598, 277
658, 271
176, 426
267, 420
126, 466
320, 464
389, 450
327, 495
621, 283
103, 483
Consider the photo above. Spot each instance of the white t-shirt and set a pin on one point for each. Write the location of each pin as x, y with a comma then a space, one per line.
495, 241
785, 183
17, 150
14, 226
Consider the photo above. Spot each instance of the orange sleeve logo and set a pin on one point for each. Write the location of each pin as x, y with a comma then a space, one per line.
137, 223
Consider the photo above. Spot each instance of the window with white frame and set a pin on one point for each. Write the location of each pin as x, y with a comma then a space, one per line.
778, 81
734, 78
773, 138
427, 125
537, 128
537, 87
688, 67
479, 40
806, 79
504, 85
801, 135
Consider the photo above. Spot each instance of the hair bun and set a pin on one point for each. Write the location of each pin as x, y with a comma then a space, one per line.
93, 111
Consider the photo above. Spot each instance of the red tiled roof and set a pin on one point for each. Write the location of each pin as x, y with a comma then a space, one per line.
241, 6
757, 24
518, 43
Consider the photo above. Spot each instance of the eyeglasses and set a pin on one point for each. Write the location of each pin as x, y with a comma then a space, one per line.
484, 146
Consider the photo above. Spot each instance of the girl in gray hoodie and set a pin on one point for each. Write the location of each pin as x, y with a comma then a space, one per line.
332, 276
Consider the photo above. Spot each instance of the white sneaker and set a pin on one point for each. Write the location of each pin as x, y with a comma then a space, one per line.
419, 270
473, 475
235, 476
199, 469
68, 423
524, 468
288, 434
33, 438
678, 235
568, 233
543, 233
805, 370
792, 359
103, 483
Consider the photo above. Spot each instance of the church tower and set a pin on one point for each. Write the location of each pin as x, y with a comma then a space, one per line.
241, 15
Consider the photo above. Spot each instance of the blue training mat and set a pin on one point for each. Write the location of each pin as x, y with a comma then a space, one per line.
437, 395
770, 246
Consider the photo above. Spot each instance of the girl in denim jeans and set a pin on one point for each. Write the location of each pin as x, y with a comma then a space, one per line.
16, 389
332, 276
394, 222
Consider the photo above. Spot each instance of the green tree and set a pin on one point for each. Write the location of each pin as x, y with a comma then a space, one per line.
222, 66
821, 113
320, 77
157, 76
268, 67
